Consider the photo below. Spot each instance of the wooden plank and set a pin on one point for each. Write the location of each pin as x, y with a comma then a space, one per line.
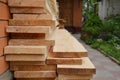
17, 50
70, 61
34, 74
86, 68
74, 77
32, 17
33, 68
26, 3
13, 22
27, 36
28, 29
30, 63
25, 57
27, 10
29, 42
66, 45
35, 79
4, 1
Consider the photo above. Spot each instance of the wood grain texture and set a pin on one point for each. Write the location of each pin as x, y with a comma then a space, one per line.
86, 68
27, 36
32, 17
66, 45
13, 22
26, 3
33, 68
70, 61
34, 74
36, 79
5, 1
28, 29
74, 77
25, 57
27, 10
27, 63
17, 50
29, 42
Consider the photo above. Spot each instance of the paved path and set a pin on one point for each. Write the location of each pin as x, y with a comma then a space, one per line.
106, 68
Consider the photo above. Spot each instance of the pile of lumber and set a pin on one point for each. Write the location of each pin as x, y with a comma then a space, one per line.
70, 57
28, 46
37, 50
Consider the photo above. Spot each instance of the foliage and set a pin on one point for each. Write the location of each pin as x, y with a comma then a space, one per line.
113, 25
109, 49
103, 36
93, 25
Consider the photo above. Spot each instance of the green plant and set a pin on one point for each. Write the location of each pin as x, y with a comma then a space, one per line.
93, 25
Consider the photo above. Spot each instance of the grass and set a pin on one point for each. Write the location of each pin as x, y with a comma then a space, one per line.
107, 48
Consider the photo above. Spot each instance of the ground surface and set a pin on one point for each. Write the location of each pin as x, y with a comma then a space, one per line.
106, 68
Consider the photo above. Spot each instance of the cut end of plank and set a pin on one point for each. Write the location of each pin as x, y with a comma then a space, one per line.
86, 68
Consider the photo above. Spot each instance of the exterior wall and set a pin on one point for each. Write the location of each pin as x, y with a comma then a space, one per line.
109, 7
77, 13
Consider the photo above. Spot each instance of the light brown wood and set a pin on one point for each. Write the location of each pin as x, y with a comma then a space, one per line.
30, 63
33, 68
35, 74
25, 57
13, 22
66, 45
31, 42
27, 10
27, 36
74, 77
26, 3
86, 68
28, 29
36, 79
70, 61
32, 17
25, 50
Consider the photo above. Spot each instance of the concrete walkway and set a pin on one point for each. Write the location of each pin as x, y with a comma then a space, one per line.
106, 68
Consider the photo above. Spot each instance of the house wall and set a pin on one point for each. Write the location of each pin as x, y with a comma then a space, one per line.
109, 7
71, 12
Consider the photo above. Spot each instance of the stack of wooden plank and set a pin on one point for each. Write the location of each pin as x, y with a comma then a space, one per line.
37, 50
28, 46
70, 57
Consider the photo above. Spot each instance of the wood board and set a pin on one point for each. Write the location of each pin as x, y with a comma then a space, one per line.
30, 63
24, 10
13, 22
86, 68
34, 74
36, 79
43, 16
66, 45
33, 67
70, 61
74, 77
29, 29
25, 57
29, 42
18, 50
28, 36
26, 3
